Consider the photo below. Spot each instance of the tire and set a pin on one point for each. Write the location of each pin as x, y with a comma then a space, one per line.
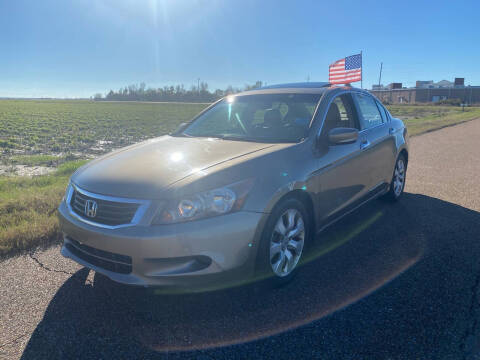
282, 249
398, 179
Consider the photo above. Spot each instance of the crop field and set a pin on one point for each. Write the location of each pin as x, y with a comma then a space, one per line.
55, 127
46, 140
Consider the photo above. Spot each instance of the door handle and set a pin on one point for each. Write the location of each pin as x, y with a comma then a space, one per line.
364, 144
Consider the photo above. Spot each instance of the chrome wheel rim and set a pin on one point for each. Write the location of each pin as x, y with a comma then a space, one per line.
286, 244
399, 177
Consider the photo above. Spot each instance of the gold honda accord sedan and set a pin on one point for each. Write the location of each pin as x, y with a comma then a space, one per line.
240, 190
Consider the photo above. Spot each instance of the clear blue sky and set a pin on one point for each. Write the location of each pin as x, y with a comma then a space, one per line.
76, 48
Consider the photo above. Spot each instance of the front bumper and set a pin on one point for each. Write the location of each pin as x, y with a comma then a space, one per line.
190, 256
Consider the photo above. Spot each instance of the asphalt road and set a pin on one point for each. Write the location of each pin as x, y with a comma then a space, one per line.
391, 281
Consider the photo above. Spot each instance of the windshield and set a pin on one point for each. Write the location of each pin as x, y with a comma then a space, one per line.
259, 117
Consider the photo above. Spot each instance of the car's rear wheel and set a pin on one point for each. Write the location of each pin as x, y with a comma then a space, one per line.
398, 180
284, 239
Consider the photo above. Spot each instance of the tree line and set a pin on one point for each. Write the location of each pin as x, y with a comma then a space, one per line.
179, 93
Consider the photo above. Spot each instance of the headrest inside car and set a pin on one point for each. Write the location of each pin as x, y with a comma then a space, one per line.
272, 118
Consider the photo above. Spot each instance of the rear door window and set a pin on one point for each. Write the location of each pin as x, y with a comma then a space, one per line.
368, 111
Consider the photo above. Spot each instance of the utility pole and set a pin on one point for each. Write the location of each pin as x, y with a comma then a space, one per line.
380, 77
198, 86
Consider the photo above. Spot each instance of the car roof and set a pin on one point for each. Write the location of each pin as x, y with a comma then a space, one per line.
296, 88
302, 85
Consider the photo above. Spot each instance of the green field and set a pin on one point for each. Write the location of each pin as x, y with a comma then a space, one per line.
85, 127
58, 134
422, 118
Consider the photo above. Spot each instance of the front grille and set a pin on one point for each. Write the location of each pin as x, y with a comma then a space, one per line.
121, 264
108, 212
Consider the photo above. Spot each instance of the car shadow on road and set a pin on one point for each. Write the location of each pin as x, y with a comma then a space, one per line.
371, 249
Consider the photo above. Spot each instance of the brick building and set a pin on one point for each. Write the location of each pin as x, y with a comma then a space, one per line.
468, 95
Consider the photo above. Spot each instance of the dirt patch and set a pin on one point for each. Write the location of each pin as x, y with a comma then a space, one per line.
102, 146
24, 170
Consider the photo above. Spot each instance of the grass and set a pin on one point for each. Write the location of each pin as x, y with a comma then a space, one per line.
423, 118
28, 208
53, 133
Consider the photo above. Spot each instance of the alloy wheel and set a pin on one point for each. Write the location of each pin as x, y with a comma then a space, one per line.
287, 242
399, 177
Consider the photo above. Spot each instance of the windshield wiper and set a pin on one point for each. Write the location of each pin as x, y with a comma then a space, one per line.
258, 139
225, 137
243, 138
239, 138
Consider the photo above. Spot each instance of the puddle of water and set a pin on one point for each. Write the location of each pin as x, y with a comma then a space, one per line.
99, 148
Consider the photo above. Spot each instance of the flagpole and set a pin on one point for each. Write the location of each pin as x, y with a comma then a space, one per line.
361, 64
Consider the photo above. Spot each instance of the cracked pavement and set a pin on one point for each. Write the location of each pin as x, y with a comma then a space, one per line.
392, 281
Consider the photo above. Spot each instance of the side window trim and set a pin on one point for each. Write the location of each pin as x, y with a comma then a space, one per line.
389, 116
354, 110
359, 115
382, 110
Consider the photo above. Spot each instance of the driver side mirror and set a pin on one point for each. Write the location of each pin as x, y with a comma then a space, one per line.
339, 136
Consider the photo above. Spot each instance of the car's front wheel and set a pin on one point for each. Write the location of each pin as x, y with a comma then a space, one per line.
284, 240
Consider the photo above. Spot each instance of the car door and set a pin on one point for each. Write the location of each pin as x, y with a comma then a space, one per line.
341, 176
387, 137
378, 143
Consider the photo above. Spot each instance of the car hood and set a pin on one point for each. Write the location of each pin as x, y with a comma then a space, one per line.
146, 169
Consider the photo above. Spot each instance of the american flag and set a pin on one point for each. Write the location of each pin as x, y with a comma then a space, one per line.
346, 71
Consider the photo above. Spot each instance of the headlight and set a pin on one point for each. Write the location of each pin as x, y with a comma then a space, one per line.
205, 204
